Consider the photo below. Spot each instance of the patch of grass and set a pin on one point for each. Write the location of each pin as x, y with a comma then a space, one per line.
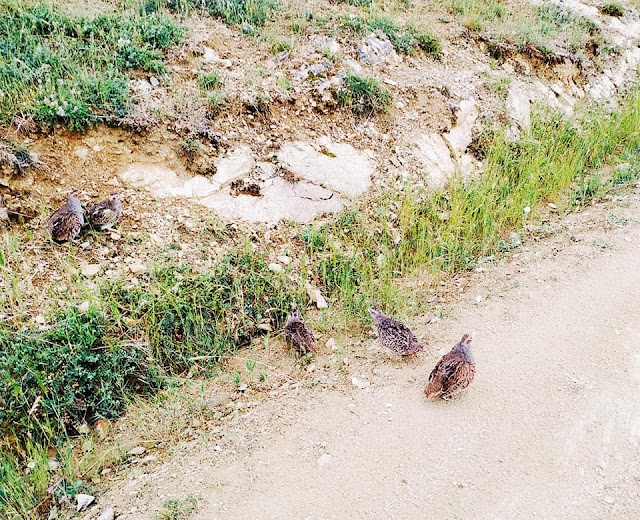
178, 509
363, 95
281, 45
17, 157
186, 314
613, 9
209, 81
247, 14
53, 381
57, 67
406, 40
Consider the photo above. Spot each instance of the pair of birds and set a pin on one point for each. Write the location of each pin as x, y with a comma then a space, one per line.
67, 222
452, 374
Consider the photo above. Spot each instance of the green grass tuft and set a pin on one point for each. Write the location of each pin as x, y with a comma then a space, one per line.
363, 95
178, 509
613, 9
248, 14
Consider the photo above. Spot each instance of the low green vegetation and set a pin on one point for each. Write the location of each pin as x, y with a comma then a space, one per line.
363, 95
178, 509
613, 9
55, 67
550, 28
406, 40
248, 14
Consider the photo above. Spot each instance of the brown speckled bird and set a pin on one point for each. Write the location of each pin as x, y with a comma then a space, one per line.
66, 223
454, 372
299, 335
394, 335
104, 214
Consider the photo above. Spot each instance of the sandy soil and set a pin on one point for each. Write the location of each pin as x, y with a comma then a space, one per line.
549, 428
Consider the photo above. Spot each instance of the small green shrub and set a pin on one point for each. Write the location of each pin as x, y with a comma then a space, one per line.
613, 9
53, 381
363, 95
185, 314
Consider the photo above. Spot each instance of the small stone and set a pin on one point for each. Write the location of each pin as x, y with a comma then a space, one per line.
331, 344
515, 239
148, 458
154, 81
311, 368
115, 236
136, 268
53, 464
284, 259
107, 514
479, 299
552, 206
243, 388
276, 268
360, 383
83, 501
84, 429
609, 499
115, 182
106, 471
90, 270
527, 210
138, 450
324, 460
83, 307
39, 319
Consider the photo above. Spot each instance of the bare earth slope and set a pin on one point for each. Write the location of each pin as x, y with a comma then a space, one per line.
549, 428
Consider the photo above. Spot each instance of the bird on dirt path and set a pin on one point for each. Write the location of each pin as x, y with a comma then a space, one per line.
298, 334
454, 372
66, 223
394, 335
104, 214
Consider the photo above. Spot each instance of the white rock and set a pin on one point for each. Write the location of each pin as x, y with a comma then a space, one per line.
115, 236
324, 460
137, 268
276, 268
359, 383
90, 270
81, 152
459, 137
83, 501
376, 49
235, 165
138, 450
284, 259
107, 514
39, 319
331, 344
83, 307
436, 158
519, 107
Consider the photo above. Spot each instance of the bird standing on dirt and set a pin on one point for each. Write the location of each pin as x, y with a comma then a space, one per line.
454, 372
66, 223
394, 335
299, 335
104, 214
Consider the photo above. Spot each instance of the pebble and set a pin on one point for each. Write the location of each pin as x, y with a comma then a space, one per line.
609, 499
115, 236
324, 460
39, 319
276, 268
284, 259
83, 501
83, 307
243, 388
358, 383
138, 450
479, 299
107, 514
136, 268
552, 206
90, 270
331, 344
311, 368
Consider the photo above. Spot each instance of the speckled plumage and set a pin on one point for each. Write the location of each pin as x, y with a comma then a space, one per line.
298, 334
395, 335
454, 372
66, 223
104, 214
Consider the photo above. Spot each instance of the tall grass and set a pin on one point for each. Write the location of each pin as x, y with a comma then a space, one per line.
358, 258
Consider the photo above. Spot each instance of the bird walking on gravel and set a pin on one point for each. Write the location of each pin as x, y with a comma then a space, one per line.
104, 214
454, 372
394, 335
298, 334
67, 221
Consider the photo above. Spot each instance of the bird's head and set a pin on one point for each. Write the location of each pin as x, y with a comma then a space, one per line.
115, 197
374, 311
467, 338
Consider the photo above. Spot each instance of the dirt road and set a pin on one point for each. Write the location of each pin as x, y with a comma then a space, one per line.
549, 428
